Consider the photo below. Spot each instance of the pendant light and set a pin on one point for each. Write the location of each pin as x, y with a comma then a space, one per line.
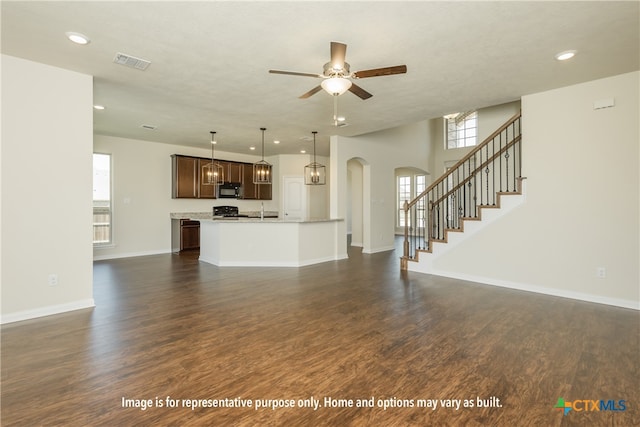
315, 173
212, 173
262, 169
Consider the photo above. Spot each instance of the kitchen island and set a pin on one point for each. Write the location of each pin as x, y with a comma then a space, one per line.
271, 242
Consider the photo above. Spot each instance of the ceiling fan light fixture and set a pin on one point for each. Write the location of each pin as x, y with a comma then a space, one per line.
336, 85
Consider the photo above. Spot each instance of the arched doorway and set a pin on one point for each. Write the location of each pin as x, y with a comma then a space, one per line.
356, 210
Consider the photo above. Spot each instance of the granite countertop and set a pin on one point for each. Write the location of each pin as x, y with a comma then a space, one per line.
209, 215
246, 220
252, 217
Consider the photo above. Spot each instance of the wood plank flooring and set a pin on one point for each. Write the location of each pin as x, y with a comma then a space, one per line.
169, 329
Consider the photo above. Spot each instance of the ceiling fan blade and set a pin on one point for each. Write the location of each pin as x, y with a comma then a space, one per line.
338, 53
311, 92
293, 73
358, 91
386, 71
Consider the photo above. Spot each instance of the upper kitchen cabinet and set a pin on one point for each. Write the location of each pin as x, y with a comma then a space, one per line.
186, 178
206, 191
263, 191
253, 191
248, 187
234, 171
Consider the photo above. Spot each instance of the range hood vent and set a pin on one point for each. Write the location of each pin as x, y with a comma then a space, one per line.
131, 61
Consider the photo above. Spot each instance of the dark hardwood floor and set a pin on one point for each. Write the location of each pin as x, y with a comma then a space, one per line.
169, 329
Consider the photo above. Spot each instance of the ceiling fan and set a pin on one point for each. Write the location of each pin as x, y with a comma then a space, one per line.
337, 75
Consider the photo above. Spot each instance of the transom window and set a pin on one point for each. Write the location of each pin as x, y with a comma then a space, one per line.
461, 129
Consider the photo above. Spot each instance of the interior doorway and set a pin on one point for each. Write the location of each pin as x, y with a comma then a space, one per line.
294, 197
355, 205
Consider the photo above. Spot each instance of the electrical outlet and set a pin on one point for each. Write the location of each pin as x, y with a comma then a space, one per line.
601, 272
53, 279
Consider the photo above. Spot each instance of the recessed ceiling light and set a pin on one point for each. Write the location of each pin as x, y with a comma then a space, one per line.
567, 54
252, 148
341, 119
303, 151
98, 107
276, 141
77, 37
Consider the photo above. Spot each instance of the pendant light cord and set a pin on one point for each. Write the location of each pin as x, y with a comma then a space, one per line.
314, 145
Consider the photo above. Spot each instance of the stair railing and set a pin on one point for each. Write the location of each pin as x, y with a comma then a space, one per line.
491, 168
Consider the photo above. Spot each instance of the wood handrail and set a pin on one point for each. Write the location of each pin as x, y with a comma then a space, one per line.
465, 158
484, 164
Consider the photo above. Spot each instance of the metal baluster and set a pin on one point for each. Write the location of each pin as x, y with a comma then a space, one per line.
493, 170
480, 173
475, 191
506, 156
500, 160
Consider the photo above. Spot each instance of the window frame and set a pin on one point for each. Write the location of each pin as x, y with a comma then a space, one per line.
103, 210
460, 130
415, 188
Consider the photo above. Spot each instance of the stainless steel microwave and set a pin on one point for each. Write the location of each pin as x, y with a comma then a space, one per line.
230, 190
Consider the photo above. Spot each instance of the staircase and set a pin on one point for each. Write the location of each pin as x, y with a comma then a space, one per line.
478, 182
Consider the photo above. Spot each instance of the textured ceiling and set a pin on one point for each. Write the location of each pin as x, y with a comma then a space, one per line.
210, 61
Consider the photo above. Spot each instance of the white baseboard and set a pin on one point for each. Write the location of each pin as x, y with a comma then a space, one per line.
130, 254
598, 299
380, 249
47, 311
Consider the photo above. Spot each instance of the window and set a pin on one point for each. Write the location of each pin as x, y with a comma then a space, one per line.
421, 185
461, 129
101, 199
404, 193
408, 188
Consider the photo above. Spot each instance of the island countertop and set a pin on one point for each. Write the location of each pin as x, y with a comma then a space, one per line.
245, 220
197, 216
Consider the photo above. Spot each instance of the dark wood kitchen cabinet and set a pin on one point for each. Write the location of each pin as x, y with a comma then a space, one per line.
184, 176
187, 180
206, 191
234, 171
251, 191
185, 235
248, 187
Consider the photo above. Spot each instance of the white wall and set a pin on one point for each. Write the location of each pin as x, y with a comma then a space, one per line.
317, 195
142, 192
489, 120
47, 132
582, 201
381, 152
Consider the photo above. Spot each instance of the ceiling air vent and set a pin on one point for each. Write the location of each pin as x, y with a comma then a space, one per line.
131, 61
